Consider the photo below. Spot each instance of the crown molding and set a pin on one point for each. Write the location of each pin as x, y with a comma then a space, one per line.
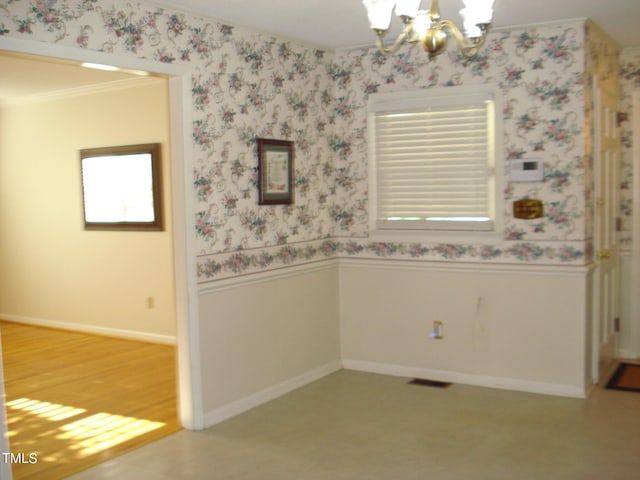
67, 93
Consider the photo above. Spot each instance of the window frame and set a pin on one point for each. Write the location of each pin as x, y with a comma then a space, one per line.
153, 150
410, 99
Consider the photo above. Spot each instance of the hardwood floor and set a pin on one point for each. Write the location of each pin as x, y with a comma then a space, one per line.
74, 400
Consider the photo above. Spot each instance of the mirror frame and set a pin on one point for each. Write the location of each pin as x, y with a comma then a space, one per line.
156, 177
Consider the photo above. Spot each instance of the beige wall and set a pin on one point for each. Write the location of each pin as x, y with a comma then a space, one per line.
267, 335
519, 328
52, 269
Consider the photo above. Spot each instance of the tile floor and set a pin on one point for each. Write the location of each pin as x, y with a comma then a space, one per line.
353, 425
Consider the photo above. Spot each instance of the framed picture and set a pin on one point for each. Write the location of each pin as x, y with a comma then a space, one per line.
275, 171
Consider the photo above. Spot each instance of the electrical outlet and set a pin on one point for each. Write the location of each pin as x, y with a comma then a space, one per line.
437, 332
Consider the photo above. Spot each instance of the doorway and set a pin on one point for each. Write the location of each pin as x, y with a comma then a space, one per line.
179, 78
58, 272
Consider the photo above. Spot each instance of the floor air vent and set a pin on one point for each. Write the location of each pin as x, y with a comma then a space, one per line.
429, 383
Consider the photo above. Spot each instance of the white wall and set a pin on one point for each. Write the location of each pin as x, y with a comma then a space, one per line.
265, 335
523, 328
53, 271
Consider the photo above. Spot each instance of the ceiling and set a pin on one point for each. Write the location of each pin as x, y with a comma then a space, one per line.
343, 23
323, 23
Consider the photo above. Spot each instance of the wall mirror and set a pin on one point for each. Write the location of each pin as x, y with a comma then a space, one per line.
122, 187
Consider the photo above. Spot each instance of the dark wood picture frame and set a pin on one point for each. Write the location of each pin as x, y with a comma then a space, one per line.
103, 161
275, 171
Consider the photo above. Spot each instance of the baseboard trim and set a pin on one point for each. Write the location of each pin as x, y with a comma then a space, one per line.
467, 379
93, 329
237, 407
627, 353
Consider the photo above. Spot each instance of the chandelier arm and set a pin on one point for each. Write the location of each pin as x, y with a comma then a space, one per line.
406, 35
393, 48
468, 46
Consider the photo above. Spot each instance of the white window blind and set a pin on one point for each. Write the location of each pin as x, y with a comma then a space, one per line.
434, 162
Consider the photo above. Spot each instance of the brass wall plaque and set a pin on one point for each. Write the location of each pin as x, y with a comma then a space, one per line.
528, 209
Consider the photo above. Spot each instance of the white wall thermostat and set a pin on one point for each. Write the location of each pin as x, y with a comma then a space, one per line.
527, 170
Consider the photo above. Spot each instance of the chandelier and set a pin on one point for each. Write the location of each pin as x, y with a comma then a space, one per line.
426, 27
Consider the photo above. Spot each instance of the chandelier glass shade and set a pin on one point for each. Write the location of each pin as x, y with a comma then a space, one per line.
427, 28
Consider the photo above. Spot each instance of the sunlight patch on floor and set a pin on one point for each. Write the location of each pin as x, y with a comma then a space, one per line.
51, 411
104, 430
87, 435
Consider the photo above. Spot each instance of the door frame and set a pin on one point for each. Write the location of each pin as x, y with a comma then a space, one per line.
190, 403
633, 337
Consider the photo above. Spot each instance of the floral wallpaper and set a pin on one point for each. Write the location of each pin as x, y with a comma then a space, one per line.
249, 85
246, 85
629, 80
541, 74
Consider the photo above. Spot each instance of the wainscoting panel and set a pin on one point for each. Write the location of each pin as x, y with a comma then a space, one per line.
265, 334
523, 327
